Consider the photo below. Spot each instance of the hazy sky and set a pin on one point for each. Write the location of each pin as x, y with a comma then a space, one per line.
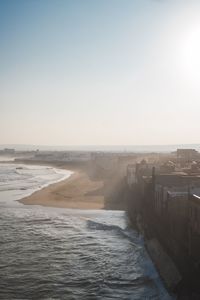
99, 71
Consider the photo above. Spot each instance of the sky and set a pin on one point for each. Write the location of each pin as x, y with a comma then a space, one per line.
99, 72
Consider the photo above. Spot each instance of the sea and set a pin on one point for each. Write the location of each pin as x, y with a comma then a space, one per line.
52, 253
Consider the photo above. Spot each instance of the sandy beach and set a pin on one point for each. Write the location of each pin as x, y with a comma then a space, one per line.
78, 191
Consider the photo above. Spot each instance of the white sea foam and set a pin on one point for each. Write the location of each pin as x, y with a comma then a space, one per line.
18, 181
96, 246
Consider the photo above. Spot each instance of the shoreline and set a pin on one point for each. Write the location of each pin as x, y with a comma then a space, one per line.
78, 191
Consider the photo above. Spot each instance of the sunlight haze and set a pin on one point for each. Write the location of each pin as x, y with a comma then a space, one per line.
99, 72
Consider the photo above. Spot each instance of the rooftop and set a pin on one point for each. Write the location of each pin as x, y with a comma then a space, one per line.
179, 179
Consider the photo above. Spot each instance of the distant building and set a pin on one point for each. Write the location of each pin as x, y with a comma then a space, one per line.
186, 155
194, 229
167, 167
9, 151
131, 175
173, 187
143, 169
63, 156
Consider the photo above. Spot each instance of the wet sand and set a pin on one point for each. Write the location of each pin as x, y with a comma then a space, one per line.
78, 191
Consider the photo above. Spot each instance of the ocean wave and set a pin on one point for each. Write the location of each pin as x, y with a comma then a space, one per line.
19, 181
48, 253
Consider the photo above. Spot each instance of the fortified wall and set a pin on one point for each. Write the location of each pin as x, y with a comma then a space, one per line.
165, 205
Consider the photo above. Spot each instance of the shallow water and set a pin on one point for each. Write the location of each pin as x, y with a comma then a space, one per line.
19, 180
48, 253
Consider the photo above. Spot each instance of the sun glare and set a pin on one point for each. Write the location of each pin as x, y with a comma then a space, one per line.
191, 53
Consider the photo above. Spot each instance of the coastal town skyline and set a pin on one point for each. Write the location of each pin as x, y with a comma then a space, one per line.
99, 149
103, 72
